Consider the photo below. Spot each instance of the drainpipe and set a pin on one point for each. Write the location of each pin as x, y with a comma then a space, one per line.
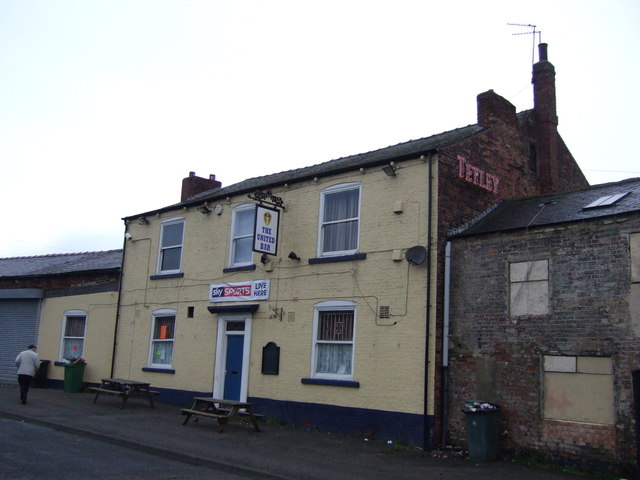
445, 347
426, 427
115, 328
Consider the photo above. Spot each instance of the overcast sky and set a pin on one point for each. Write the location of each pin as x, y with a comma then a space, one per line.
106, 105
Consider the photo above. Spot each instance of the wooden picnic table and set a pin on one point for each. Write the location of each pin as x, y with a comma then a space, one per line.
224, 411
124, 388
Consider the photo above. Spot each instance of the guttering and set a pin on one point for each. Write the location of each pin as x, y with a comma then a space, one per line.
426, 428
445, 348
115, 327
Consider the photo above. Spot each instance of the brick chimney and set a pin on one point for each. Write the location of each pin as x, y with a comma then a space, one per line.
192, 185
546, 119
494, 109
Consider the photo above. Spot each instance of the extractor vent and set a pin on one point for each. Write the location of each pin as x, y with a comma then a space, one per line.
385, 311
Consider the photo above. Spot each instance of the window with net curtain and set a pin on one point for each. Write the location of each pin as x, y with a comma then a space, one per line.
171, 237
340, 219
73, 335
163, 331
334, 327
242, 235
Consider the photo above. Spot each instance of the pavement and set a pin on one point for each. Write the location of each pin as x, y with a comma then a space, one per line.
277, 452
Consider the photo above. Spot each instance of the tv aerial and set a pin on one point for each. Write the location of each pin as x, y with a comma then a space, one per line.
532, 33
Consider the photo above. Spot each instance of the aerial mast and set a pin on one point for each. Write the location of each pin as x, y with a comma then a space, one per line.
533, 36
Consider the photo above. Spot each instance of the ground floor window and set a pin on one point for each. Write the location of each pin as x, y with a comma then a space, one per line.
162, 337
578, 389
333, 340
73, 331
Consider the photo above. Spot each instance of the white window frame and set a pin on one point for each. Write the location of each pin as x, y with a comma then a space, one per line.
321, 223
161, 248
63, 337
332, 305
233, 237
156, 314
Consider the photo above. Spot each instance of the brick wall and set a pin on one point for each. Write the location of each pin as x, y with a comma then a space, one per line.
502, 151
499, 357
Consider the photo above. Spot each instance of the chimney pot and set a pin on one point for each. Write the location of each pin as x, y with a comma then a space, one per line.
542, 52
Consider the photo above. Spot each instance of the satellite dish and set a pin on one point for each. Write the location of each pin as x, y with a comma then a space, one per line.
416, 255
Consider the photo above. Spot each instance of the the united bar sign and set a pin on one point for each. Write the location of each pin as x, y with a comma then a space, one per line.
265, 239
477, 176
239, 292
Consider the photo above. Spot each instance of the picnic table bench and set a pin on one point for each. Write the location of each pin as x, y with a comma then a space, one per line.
124, 388
224, 411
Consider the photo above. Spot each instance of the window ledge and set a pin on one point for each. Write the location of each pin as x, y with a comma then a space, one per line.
159, 370
330, 382
161, 276
339, 258
244, 268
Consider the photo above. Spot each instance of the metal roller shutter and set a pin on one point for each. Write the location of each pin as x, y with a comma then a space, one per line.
18, 328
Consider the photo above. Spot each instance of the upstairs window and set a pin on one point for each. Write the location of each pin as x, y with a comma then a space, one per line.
171, 238
242, 235
339, 220
529, 288
162, 337
73, 330
333, 342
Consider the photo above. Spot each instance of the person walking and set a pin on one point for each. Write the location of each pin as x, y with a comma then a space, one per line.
28, 363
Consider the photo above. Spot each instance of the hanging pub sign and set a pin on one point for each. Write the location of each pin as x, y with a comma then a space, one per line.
267, 222
239, 292
265, 231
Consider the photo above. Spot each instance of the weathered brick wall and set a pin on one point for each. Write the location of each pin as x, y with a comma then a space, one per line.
499, 356
58, 282
502, 151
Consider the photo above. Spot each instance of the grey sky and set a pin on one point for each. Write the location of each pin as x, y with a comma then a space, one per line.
106, 105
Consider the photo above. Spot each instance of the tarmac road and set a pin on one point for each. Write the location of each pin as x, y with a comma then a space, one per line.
157, 440
34, 452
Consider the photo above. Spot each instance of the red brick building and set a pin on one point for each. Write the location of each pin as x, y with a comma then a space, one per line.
545, 315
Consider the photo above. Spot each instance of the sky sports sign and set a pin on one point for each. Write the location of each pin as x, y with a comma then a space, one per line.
239, 292
265, 231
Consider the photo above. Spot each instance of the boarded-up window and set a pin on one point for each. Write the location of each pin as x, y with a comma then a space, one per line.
634, 247
578, 389
529, 288
634, 298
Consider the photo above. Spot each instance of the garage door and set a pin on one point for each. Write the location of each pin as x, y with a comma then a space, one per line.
18, 328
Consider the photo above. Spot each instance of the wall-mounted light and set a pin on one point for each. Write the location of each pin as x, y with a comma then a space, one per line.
264, 259
143, 221
389, 170
203, 209
294, 256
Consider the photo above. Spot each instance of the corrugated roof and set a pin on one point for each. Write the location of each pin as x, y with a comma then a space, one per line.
556, 208
60, 263
398, 152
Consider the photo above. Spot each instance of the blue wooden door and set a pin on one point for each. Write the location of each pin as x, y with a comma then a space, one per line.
233, 367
